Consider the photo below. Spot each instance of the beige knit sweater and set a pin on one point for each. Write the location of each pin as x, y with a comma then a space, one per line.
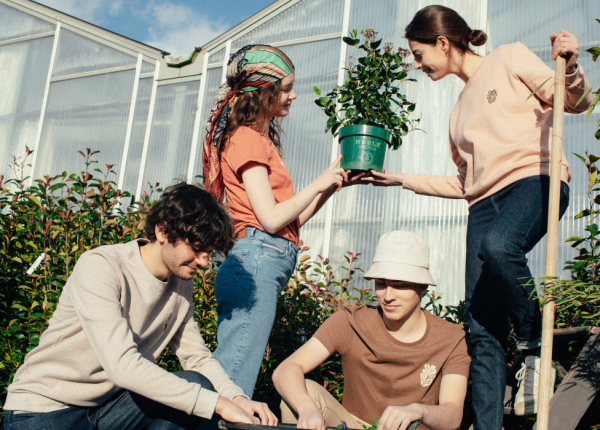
497, 135
112, 322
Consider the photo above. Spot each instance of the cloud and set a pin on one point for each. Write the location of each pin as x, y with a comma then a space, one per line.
88, 10
115, 8
178, 28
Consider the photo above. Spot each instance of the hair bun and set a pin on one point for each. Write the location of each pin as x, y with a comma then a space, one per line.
477, 37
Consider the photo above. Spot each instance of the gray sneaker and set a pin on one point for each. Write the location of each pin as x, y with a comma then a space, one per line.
528, 377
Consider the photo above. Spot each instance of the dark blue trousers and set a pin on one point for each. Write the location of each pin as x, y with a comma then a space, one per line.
502, 229
127, 410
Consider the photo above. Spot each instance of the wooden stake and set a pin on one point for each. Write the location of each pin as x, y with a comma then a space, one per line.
545, 389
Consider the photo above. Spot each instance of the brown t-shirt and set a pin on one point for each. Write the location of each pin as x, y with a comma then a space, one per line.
248, 145
381, 371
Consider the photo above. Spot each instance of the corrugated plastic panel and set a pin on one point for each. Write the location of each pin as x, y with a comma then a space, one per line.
138, 132
78, 54
82, 113
305, 19
532, 24
217, 57
23, 71
148, 67
15, 23
213, 82
307, 149
171, 134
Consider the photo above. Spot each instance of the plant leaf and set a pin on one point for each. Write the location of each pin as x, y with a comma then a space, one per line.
317, 91
349, 41
537, 89
592, 106
583, 96
595, 51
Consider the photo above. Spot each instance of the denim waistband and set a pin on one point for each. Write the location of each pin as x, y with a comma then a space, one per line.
257, 234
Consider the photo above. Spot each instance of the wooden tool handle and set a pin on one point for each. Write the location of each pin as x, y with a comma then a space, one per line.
545, 390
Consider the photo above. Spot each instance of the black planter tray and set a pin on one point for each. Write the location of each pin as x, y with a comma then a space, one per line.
225, 425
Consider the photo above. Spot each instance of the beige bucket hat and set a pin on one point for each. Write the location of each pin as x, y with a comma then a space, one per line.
401, 256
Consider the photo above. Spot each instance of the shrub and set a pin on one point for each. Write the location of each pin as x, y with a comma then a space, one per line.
55, 220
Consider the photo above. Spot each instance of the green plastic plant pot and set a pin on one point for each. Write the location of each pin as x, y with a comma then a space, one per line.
364, 147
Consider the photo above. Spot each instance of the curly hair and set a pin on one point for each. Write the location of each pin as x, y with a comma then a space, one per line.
191, 213
255, 108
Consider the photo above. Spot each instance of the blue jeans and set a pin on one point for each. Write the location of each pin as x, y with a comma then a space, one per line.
502, 229
126, 410
247, 286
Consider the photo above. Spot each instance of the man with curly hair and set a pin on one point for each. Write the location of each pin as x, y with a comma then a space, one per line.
94, 367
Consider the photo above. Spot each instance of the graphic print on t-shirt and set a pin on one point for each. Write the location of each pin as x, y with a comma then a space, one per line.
428, 375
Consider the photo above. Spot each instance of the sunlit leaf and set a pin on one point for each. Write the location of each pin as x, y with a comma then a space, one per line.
537, 89
595, 51
589, 90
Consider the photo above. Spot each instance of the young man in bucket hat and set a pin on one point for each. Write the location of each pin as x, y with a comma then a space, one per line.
94, 368
401, 363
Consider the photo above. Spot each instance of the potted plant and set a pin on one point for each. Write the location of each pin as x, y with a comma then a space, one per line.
368, 112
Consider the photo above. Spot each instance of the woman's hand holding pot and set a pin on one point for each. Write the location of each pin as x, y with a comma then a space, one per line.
566, 44
332, 177
385, 179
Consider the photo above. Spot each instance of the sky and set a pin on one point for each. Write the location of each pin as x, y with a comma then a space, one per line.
175, 26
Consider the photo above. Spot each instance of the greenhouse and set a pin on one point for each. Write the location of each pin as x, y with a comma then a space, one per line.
67, 85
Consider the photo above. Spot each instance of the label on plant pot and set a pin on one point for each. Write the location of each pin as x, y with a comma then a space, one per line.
363, 153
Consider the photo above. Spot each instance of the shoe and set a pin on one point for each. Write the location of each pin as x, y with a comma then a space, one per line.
528, 379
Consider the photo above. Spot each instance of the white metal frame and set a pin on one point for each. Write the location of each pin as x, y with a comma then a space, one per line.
197, 120
138, 188
38, 136
94, 73
335, 145
91, 31
226, 60
136, 82
25, 38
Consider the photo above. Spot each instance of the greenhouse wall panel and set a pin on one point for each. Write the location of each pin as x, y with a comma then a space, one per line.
79, 54
15, 23
171, 134
82, 113
138, 133
213, 82
23, 76
306, 18
306, 147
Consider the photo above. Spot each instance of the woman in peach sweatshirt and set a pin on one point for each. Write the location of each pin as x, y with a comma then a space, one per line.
500, 143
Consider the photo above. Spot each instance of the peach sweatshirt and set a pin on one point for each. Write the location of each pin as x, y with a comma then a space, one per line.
113, 320
497, 136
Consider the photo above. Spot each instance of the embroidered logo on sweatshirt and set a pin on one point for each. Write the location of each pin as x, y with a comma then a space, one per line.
428, 375
492, 96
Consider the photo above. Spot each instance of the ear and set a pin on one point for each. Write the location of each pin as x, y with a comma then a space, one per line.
159, 231
443, 43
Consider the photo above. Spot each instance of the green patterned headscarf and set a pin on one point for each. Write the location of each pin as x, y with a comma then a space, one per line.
250, 68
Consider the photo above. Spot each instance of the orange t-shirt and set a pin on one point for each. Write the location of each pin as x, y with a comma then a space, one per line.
249, 145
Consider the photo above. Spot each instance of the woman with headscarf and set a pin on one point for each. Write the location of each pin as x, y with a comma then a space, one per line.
242, 157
